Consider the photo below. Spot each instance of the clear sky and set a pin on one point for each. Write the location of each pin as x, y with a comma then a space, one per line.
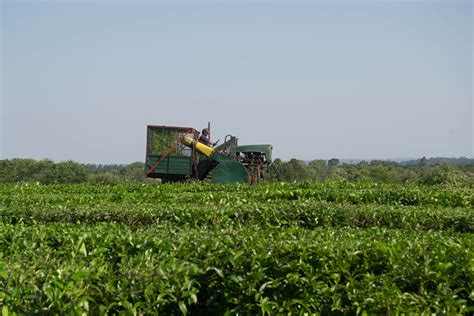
317, 79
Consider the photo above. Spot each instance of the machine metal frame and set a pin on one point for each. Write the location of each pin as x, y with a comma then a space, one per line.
174, 154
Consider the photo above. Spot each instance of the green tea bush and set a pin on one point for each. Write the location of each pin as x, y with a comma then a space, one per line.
279, 248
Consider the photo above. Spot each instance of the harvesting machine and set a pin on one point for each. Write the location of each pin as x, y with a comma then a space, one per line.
175, 154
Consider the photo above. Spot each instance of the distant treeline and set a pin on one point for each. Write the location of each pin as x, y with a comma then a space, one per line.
439, 161
431, 171
47, 172
380, 171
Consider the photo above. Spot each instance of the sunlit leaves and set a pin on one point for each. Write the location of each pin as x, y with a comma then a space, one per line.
279, 248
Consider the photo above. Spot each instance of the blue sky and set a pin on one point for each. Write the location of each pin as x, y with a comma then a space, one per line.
317, 79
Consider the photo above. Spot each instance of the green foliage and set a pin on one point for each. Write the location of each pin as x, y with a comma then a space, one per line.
305, 204
162, 140
25, 170
277, 248
46, 171
134, 172
66, 172
444, 175
375, 171
107, 177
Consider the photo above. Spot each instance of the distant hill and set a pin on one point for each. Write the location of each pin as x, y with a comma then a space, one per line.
357, 161
439, 161
416, 161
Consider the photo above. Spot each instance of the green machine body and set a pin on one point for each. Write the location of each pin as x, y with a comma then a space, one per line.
175, 154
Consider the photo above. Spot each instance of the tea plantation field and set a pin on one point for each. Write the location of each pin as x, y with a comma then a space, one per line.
276, 248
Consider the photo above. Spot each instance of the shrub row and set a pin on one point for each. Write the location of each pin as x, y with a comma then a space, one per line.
201, 193
307, 214
111, 268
